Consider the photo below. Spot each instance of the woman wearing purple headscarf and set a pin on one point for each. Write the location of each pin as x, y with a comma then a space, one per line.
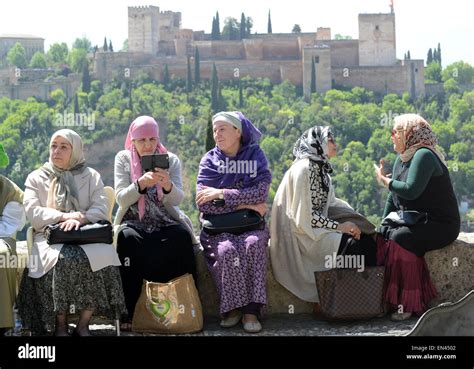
235, 174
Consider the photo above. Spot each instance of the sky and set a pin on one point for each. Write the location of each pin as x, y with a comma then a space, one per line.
420, 24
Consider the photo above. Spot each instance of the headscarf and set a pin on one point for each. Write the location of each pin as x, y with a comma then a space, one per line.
211, 171
142, 127
63, 194
415, 133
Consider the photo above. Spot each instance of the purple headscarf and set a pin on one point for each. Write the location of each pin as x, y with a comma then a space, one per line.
215, 169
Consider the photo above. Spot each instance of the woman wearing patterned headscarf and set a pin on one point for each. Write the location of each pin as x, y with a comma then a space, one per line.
155, 240
303, 235
420, 182
235, 172
61, 277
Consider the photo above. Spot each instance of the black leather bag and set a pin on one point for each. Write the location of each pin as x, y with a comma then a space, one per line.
237, 222
100, 232
405, 218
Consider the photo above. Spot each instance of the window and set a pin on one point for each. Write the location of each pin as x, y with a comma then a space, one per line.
377, 28
316, 59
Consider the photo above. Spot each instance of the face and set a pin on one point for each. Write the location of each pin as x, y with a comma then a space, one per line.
146, 146
60, 152
397, 139
332, 148
227, 137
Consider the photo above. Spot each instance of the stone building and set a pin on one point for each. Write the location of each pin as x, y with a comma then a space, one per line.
32, 44
156, 39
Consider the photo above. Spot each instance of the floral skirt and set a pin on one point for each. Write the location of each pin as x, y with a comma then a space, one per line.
70, 286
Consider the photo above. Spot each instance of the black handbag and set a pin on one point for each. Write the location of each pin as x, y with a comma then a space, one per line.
100, 232
237, 222
405, 218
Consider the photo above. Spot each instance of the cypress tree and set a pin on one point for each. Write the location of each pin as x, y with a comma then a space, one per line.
105, 47
197, 67
429, 58
435, 55
111, 48
76, 105
210, 143
269, 27
218, 27
439, 53
241, 95
189, 79
408, 55
243, 26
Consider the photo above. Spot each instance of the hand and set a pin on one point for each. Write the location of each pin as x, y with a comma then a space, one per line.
207, 194
159, 176
259, 208
382, 178
350, 228
77, 215
70, 224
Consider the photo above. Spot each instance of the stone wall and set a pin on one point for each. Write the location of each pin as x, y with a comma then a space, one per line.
344, 53
377, 46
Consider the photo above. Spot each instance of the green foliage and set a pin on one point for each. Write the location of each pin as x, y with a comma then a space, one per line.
78, 59
231, 30
38, 61
16, 56
433, 72
460, 71
57, 53
82, 43
269, 25
296, 29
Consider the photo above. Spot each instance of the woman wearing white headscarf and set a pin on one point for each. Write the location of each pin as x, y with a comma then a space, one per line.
303, 235
67, 278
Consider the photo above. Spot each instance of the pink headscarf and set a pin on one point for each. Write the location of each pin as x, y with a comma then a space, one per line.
142, 127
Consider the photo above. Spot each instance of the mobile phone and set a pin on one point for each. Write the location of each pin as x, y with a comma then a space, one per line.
150, 162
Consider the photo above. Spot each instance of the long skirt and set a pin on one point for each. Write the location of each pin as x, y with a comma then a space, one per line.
70, 286
7, 283
238, 265
407, 286
157, 256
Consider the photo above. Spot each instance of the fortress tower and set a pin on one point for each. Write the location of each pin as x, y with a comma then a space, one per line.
377, 45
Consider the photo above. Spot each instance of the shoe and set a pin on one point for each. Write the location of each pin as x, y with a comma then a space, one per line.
252, 327
75, 333
398, 317
231, 320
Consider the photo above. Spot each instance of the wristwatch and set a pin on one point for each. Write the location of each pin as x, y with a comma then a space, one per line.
221, 195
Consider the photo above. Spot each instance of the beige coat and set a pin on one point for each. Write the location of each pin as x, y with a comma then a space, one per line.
92, 201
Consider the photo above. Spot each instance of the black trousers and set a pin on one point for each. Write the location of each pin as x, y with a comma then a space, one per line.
157, 257
366, 246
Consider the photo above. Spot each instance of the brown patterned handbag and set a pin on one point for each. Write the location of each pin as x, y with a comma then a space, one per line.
349, 294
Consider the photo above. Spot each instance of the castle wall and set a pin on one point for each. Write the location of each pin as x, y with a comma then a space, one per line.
397, 79
377, 45
344, 53
281, 49
321, 56
143, 31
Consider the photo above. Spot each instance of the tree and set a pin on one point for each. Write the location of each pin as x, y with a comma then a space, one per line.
38, 61
231, 29
435, 55
241, 95
439, 54
216, 28
313, 76
408, 55
125, 45
17, 56
76, 105
433, 72
189, 79
197, 67
429, 58
269, 26
166, 76
82, 43
77, 59
214, 89
296, 28
249, 25
57, 53
405, 56
243, 26
111, 48
105, 47
461, 71
86, 78
210, 143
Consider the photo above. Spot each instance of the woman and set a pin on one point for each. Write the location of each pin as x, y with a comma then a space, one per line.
235, 172
303, 236
67, 278
12, 220
420, 182
155, 240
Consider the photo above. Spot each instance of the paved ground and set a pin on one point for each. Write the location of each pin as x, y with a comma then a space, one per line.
290, 325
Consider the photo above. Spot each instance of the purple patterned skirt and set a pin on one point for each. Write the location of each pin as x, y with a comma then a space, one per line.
238, 264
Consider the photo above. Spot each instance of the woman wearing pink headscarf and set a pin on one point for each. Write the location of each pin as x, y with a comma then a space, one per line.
155, 240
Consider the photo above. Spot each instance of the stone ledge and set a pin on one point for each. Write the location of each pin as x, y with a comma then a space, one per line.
452, 271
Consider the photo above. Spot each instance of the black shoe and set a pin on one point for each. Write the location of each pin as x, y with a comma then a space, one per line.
75, 333
3, 331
